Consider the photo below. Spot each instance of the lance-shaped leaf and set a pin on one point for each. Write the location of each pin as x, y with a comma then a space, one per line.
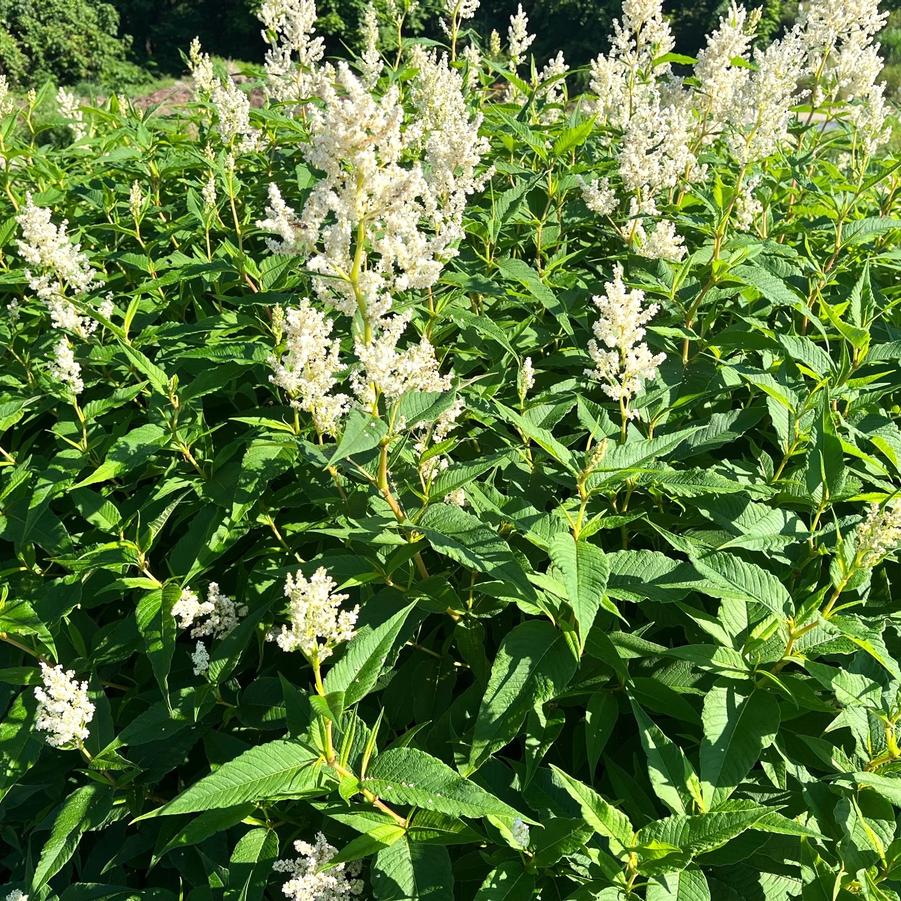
728, 576
689, 884
584, 571
736, 730
672, 776
669, 844
601, 815
362, 432
84, 809
464, 538
412, 871
358, 669
533, 665
410, 776
251, 865
158, 628
508, 881
277, 769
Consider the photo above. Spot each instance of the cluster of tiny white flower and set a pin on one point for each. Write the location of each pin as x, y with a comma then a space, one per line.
622, 359
214, 617
747, 209
384, 370
518, 38
7, 101
370, 58
658, 123
200, 658
56, 265
384, 218
17, 895
719, 71
648, 112
65, 368
310, 882
136, 199
599, 197
844, 64
70, 109
232, 105
521, 833
208, 192
662, 242
623, 80
552, 75
448, 133
374, 225
879, 534
525, 380
762, 110
307, 369
63, 710
294, 52
458, 11
318, 624
473, 57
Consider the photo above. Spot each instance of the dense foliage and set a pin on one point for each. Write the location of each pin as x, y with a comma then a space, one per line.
420, 483
66, 40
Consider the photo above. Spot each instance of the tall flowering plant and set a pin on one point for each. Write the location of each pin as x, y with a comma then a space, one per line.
435, 474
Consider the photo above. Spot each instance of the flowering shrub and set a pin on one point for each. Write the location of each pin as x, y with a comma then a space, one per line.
418, 480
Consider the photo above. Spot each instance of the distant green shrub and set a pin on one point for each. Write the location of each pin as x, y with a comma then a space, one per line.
64, 40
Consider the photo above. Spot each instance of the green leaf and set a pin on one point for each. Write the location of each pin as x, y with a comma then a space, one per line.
84, 809
128, 453
736, 731
158, 628
888, 787
541, 436
410, 776
18, 617
417, 407
411, 871
770, 286
862, 230
672, 776
379, 837
251, 865
264, 460
457, 534
357, 671
520, 271
200, 828
689, 884
573, 136
824, 469
730, 577
602, 816
601, 714
585, 570
277, 769
20, 746
331, 706
532, 666
362, 432
461, 474
669, 843
559, 838
507, 882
